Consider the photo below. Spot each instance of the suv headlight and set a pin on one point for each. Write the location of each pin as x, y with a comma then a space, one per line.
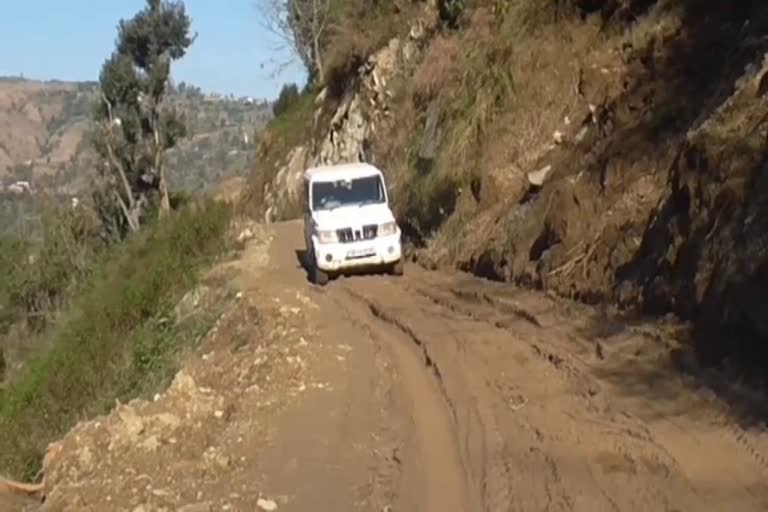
327, 236
388, 229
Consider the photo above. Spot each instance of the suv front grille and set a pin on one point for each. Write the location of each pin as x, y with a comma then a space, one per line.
368, 232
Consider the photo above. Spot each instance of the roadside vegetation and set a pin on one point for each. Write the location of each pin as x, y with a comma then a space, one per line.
88, 307
110, 331
292, 125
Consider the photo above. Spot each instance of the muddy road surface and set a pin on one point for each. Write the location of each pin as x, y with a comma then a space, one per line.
505, 400
437, 392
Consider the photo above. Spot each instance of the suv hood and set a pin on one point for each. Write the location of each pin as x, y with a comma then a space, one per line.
350, 216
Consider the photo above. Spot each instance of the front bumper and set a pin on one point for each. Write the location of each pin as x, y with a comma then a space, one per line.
379, 251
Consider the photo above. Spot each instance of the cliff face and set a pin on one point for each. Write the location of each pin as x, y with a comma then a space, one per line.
343, 120
610, 152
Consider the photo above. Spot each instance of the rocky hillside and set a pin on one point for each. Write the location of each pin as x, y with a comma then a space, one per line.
44, 127
612, 152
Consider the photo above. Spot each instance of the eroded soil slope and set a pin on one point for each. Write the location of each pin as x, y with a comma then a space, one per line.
611, 152
657, 199
431, 392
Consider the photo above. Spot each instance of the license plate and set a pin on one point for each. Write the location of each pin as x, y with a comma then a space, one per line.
361, 253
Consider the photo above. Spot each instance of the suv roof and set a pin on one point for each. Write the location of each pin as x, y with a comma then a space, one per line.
341, 171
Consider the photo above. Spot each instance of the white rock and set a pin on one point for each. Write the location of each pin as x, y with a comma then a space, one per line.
537, 178
244, 235
417, 31
268, 505
320, 99
582, 133
197, 507
150, 444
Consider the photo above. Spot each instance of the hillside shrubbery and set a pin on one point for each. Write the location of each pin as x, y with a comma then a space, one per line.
39, 271
289, 95
115, 335
89, 299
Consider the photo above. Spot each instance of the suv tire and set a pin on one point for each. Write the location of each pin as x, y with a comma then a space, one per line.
316, 275
397, 268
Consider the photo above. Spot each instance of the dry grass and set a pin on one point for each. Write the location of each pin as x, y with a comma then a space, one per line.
521, 86
439, 68
503, 83
547, 95
469, 74
359, 28
348, 49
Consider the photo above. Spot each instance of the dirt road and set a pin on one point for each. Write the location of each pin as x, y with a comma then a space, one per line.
435, 392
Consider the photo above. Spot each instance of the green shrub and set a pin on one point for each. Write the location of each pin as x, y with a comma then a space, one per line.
114, 339
12, 256
450, 11
294, 119
39, 273
289, 95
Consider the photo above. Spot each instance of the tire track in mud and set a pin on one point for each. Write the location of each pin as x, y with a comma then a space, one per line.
503, 486
588, 390
716, 415
479, 442
588, 385
441, 473
537, 421
517, 491
557, 354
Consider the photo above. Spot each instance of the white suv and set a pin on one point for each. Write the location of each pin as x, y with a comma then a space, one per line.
348, 224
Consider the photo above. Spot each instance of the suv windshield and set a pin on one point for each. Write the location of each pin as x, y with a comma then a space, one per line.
327, 195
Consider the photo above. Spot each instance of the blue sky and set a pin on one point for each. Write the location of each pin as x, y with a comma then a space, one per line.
69, 40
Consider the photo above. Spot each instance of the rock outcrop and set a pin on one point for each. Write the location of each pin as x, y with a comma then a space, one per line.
362, 110
282, 194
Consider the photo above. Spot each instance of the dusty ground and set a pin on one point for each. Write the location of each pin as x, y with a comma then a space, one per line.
431, 392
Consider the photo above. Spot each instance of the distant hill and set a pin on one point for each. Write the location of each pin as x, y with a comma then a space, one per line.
43, 124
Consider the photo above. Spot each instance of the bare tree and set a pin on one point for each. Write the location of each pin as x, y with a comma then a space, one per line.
302, 25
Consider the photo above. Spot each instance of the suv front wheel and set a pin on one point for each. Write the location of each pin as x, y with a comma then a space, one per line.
397, 268
316, 275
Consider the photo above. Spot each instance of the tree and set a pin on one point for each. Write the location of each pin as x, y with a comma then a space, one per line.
289, 95
134, 127
302, 24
